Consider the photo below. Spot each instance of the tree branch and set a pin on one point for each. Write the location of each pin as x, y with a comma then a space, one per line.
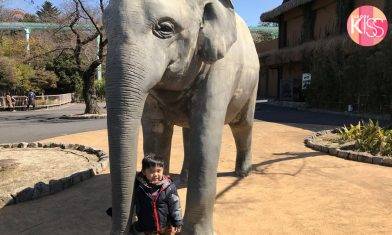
101, 6
75, 19
90, 39
102, 45
80, 43
90, 17
47, 53
78, 48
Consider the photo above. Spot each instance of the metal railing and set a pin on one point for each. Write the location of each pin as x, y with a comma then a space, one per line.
42, 101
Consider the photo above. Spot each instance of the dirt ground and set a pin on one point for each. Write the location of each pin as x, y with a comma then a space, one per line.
293, 190
23, 168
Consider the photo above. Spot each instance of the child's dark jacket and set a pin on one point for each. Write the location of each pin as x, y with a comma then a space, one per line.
157, 206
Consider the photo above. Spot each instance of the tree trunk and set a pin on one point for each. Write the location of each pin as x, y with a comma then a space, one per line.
89, 93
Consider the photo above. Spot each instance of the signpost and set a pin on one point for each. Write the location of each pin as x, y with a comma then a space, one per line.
306, 79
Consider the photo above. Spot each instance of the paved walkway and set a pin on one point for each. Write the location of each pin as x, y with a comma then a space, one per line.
293, 190
41, 124
301, 118
28, 126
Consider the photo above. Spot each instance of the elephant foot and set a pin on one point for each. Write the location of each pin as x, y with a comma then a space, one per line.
243, 172
243, 163
197, 230
133, 231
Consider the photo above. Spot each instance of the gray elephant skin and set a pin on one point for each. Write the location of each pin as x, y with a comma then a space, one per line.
190, 63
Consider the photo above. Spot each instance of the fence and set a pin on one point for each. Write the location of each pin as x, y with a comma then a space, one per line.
43, 101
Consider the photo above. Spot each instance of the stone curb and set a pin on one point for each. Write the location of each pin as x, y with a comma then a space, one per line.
56, 185
346, 154
79, 117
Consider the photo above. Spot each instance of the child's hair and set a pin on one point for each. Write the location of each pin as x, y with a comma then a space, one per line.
151, 160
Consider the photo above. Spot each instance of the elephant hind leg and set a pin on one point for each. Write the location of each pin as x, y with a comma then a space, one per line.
157, 132
243, 139
183, 180
242, 133
157, 137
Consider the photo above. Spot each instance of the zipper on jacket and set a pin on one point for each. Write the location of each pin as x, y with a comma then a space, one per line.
154, 206
156, 216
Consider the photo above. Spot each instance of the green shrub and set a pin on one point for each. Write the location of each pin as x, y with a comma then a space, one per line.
387, 149
371, 138
344, 73
350, 133
69, 80
368, 137
19, 75
100, 88
7, 74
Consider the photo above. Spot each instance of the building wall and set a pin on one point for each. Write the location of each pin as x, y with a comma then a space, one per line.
294, 21
325, 21
268, 83
326, 18
272, 86
294, 29
267, 46
290, 85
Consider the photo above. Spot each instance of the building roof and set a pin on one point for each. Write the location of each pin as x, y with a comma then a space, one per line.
271, 16
296, 54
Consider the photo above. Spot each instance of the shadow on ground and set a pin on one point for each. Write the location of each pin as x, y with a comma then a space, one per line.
81, 208
259, 169
77, 210
302, 119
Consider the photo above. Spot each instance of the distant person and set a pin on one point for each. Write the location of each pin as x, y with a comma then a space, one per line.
2, 101
10, 101
31, 99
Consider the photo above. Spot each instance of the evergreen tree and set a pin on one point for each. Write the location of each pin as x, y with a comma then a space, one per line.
48, 12
29, 18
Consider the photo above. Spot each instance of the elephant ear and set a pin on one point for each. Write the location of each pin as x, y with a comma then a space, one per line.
218, 30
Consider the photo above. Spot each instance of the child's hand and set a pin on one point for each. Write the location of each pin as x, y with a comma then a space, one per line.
177, 229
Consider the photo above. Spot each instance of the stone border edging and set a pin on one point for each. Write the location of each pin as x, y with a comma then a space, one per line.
83, 117
346, 154
56, 185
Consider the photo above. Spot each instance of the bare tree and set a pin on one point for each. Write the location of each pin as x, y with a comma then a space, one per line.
87, 70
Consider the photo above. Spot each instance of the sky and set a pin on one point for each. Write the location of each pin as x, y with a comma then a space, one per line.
250, 10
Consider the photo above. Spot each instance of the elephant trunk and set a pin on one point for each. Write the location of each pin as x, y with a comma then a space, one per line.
126, 96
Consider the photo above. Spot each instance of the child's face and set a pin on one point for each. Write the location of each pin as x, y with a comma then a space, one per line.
154, 175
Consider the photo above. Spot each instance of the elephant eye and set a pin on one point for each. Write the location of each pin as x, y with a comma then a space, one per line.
164, 29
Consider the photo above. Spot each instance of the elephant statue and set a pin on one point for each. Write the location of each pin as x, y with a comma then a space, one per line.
190, 63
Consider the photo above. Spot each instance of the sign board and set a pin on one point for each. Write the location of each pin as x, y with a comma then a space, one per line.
306, 79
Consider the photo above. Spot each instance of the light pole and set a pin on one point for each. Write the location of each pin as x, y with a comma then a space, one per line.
99, 68
27, 34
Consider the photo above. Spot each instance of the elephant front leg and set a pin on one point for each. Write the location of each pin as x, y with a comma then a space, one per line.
205, 141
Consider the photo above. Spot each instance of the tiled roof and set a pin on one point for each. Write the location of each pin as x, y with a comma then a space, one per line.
270, 16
